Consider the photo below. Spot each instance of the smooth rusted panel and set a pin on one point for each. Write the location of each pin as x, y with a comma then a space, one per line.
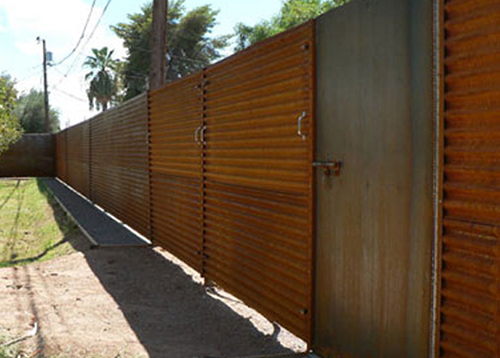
78, 158
119, 163
258, 177
470, 276
32, 156
61, 156
374, 220
176, 164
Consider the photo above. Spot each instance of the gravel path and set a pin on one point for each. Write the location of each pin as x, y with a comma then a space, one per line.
98, 226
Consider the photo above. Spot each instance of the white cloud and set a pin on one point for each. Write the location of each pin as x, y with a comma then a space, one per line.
60, 23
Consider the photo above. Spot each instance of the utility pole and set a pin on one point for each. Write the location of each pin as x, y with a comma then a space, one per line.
158, 59
45, 87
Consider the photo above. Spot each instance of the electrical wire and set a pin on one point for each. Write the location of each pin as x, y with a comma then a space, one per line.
70, 95
81, 36
97, 24
31, 75
86, 43
55, 69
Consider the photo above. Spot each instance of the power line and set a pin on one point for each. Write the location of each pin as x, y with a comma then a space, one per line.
55, 69
31, 75
86, 43
188, 59
81, 36
70, 95
98, 22
37, 66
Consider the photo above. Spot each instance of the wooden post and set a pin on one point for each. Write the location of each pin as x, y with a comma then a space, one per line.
158, 51
45, 89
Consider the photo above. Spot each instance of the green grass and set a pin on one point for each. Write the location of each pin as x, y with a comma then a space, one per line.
15, 351
8, 352
32, 227
5, 353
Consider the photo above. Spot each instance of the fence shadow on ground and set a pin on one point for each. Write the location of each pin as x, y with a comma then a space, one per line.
172, 315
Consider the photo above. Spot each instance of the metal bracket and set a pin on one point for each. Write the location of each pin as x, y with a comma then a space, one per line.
329, 167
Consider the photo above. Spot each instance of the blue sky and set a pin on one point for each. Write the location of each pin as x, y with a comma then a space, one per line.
61, 22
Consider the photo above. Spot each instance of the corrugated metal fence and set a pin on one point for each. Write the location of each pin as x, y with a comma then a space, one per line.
257, 176
225, 181
470, 244
106, 160
176, 115
77, 160
32, 156
62, 155
119, 163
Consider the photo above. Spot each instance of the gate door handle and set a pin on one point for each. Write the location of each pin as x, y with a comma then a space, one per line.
196, 134
202, 136
300, 133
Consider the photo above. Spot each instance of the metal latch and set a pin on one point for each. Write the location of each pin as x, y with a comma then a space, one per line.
329, 167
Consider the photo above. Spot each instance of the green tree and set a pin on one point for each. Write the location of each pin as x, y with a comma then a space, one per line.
189, 47
10, 130
292, 13
103, 86
31, 113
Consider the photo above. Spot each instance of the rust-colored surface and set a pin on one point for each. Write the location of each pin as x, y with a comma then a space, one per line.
119, 163
176, 164
61, 156
470, 246
78, 158
258, 177
374, 220
231, 179
32, 156
226, 181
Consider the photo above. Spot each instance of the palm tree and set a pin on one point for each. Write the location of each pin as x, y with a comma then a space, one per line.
103, 87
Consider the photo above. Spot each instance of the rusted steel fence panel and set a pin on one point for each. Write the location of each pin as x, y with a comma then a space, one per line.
258, 177
470, 244
217, 168
78, 158
61, 156
32, 156
176, 169
119, 163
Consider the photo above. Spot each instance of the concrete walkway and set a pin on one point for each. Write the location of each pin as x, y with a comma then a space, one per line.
101, 229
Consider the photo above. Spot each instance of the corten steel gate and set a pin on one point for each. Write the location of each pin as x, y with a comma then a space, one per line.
231, 174
176, 169
470, 244
257, 176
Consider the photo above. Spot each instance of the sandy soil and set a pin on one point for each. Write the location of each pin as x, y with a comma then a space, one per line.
134, 302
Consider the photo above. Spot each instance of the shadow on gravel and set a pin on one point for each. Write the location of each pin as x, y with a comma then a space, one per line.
172, 315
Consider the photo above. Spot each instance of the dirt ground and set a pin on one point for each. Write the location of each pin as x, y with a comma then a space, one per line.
134, 302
